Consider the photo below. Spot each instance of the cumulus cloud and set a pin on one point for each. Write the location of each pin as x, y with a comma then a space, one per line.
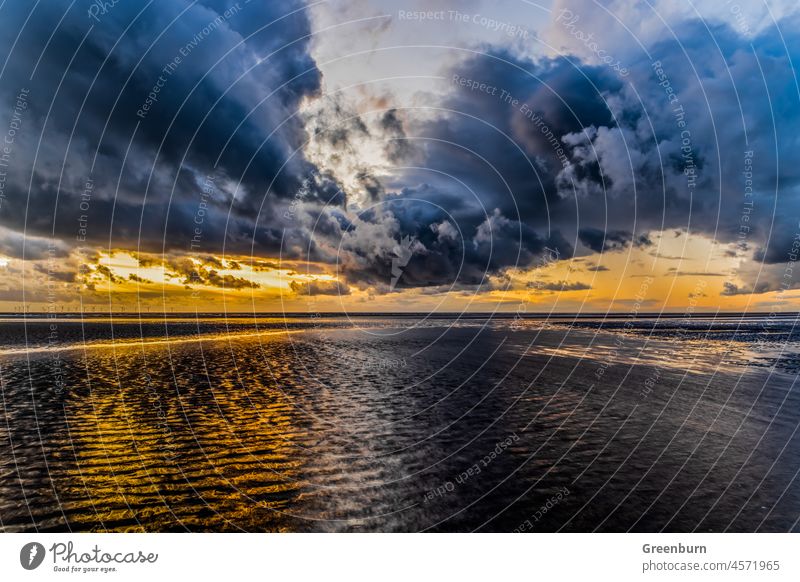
313, 288
732, 289
559, 286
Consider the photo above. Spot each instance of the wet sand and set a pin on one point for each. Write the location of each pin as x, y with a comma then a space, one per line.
490, 425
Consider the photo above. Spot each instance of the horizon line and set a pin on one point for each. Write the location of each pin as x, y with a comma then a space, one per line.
415, 313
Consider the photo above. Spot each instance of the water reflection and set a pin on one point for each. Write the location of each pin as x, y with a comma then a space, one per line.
335, 428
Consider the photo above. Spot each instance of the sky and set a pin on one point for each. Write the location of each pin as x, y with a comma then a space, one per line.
516, 156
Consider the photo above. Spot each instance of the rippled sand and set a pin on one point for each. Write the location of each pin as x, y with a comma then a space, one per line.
392, 425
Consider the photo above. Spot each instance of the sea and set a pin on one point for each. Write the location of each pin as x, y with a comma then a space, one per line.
399, 422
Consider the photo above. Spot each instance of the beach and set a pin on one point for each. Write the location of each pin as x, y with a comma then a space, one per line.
398, 423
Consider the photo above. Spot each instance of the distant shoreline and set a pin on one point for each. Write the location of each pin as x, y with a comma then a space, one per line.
437, 315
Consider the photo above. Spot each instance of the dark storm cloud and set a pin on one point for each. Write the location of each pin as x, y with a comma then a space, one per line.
601, 241
561, 146
156, 96
783, 244
434, 244
18, 246
490, 177
491, 172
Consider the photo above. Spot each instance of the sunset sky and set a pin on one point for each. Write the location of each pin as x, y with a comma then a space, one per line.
400, 156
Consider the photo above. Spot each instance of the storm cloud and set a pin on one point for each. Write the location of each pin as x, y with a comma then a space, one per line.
146, 123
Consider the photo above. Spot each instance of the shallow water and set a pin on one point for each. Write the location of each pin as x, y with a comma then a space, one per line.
398, 424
